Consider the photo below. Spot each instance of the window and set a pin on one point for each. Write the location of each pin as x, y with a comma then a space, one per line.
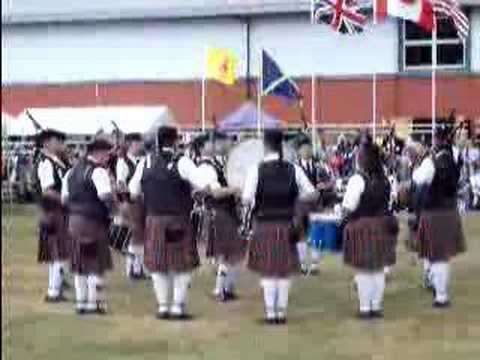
417, 47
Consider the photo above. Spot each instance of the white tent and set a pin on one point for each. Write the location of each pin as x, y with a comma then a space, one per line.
17, 126
90, 120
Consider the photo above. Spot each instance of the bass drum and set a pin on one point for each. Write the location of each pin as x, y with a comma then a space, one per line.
247, 154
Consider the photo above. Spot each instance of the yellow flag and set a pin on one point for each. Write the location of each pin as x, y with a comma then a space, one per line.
222, 66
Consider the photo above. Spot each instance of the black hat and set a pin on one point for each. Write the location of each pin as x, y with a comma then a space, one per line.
273, 138
442, 132
48, 134
134, 137
99, 145
166, 135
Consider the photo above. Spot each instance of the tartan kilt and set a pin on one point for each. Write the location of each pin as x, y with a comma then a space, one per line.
369, 243
272, 250
440, 235
90, 247
53, 240
137, 223
169, 244
224, 239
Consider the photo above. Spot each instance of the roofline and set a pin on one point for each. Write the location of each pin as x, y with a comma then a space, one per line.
179, 12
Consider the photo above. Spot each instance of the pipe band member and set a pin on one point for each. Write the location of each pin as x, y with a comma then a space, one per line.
166, 180
440, 232
224, 243
370, 233
134, 219
87, 191
272, 189
54, 245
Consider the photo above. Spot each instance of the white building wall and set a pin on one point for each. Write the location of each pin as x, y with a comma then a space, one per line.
475, 40
115, 51
301, 48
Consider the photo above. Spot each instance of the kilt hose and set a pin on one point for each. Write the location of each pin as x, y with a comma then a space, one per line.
272, 251
137, 223
369, 243
90, 248
169, 244
224, 239
440, 235
53, 239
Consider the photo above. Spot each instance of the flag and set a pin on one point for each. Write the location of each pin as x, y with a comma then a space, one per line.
343, 16
275, 82
222, 66
451, 10
417, 11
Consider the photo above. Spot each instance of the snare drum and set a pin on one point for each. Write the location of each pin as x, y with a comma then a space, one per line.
325, 232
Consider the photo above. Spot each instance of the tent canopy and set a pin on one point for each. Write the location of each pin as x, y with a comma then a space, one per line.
245, 118
90, 120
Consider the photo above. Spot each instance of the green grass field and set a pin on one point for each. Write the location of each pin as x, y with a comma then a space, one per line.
321, 314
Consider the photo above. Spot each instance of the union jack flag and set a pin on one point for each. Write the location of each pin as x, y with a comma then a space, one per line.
344, 16
450, 9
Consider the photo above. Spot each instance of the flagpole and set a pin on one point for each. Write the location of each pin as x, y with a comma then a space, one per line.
313, 87
204, 88
374, 85
259, 95
434, 79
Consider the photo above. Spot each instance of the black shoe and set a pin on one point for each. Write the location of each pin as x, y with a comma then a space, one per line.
281, 320
55, 299
376, 314
364, 315
162, 315
441, 305
270, 321
81, 312
100, 311
181, 317
229, 296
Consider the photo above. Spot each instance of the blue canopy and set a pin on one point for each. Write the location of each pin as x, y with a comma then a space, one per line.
245, 118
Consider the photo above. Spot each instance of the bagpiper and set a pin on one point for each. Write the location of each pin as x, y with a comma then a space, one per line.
87, 192
370, 233
272, 190
223, 241
166, 180
54, 244
440, 232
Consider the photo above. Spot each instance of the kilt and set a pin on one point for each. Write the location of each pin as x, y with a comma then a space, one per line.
272, 251
53, 240
224, 239
137, 223
169, 244
369, 243
90, 248
440, 235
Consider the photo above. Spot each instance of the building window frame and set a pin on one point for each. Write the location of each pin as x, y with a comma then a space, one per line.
405, 43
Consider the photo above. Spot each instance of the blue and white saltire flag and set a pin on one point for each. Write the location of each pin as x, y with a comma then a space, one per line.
275, 82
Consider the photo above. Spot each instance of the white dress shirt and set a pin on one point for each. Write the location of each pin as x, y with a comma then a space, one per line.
45, 172
209, 176
122, 170
353, 193
100, 179
186, 168
305, 187
423, 175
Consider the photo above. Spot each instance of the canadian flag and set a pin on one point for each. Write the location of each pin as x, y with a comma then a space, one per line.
417, 11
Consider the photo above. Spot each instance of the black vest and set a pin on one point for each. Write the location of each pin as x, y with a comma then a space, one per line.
277, 191
228, 203
442, 192
58, 172
165, 192
374, 199
82, 195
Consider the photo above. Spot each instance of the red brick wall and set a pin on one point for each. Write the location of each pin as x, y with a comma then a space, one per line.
337, 100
